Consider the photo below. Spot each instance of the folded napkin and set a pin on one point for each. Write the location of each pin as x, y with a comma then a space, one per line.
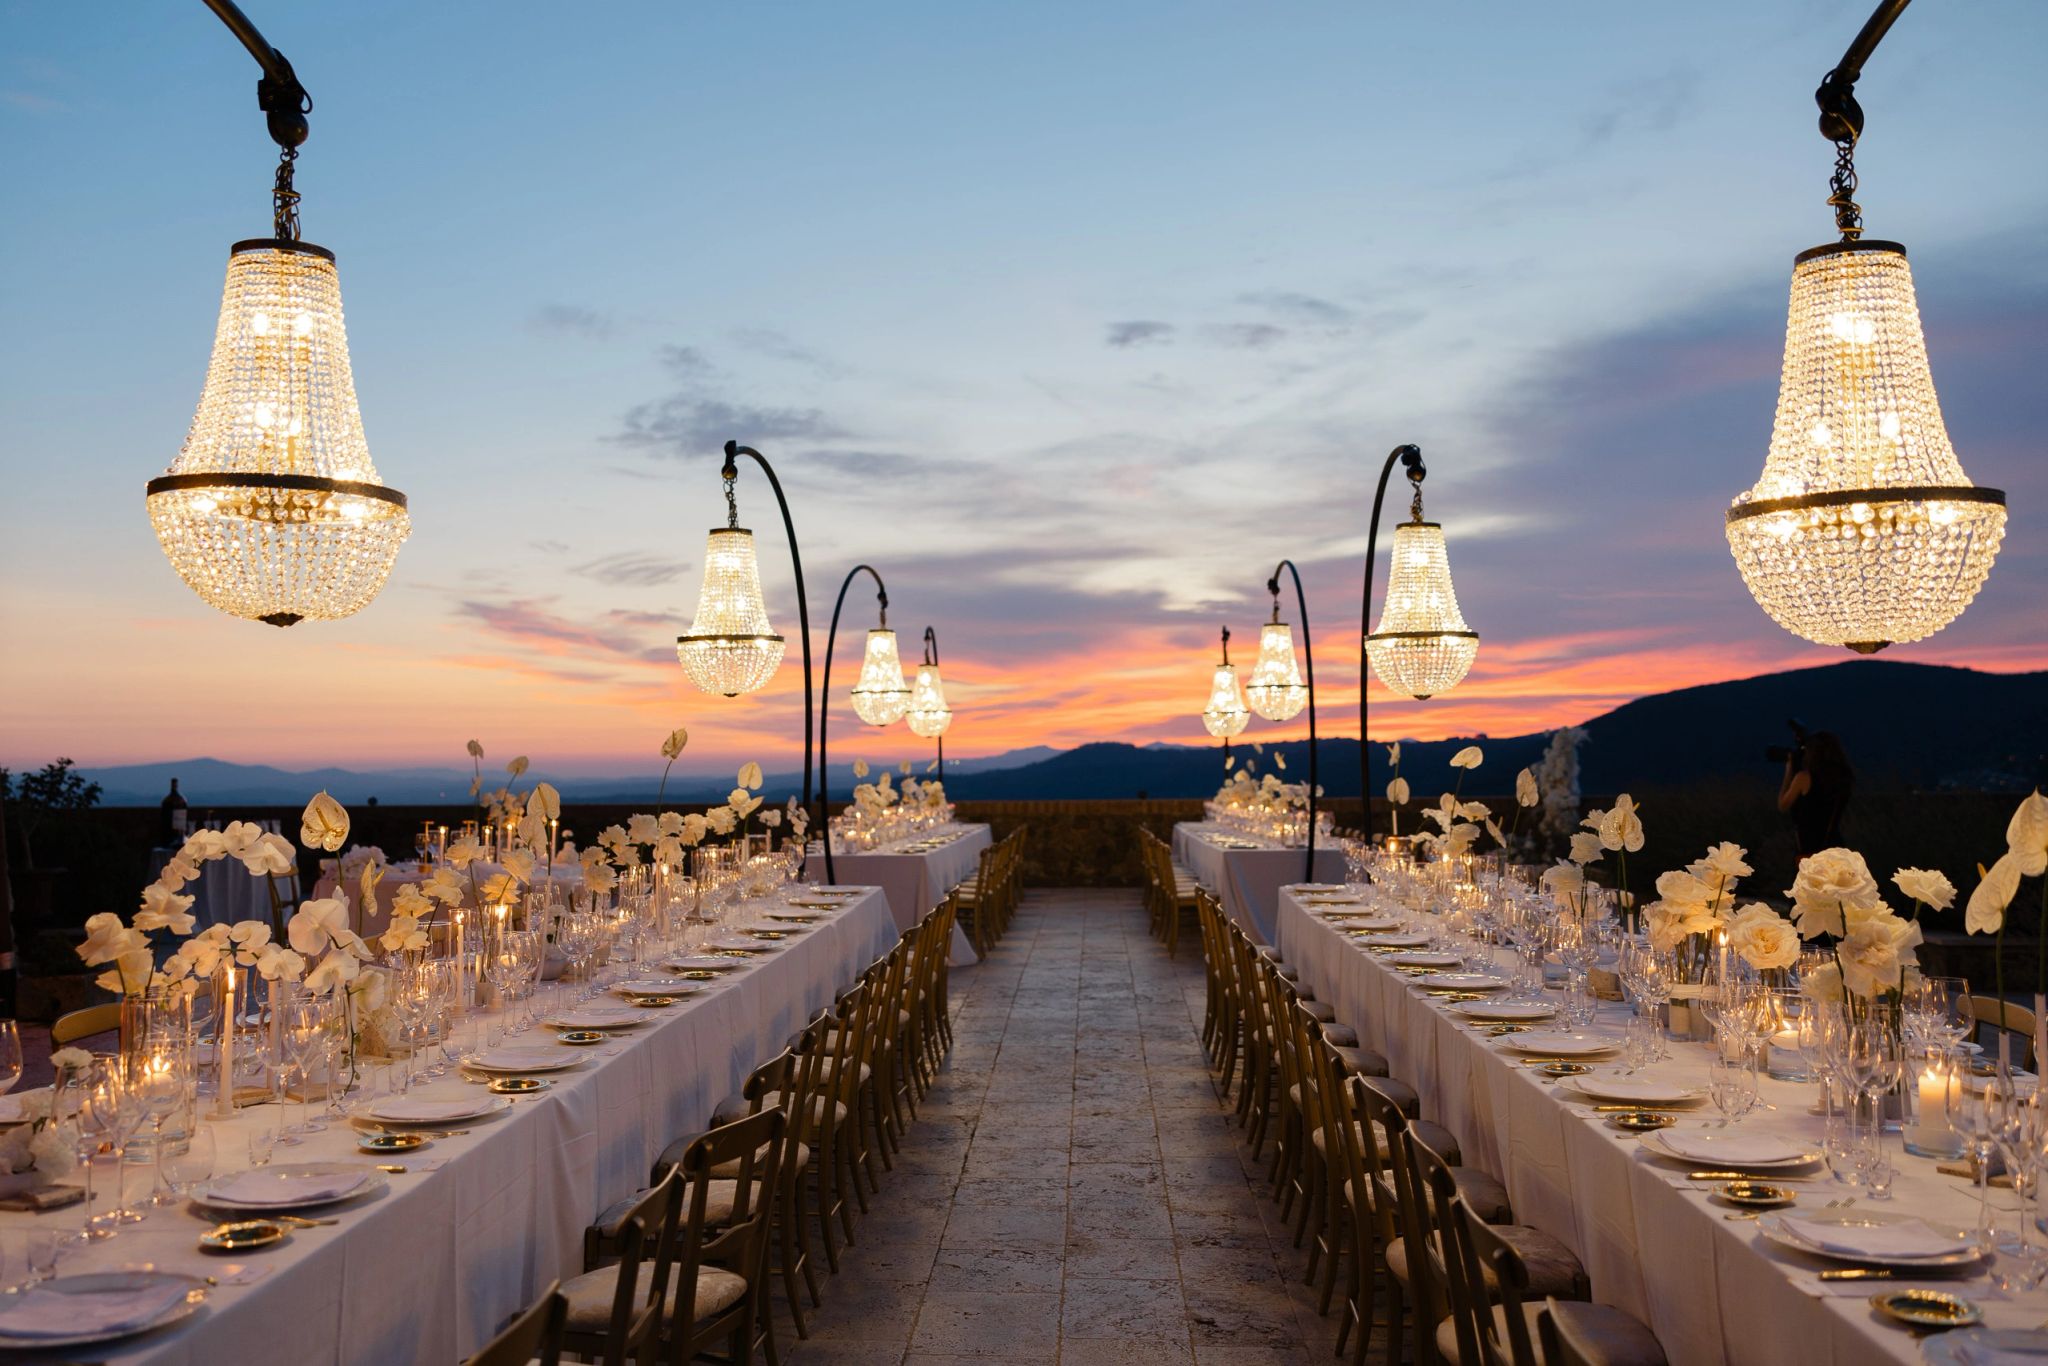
1906, 1238
702, 960
269, 1186
2008, 1347
410, 1110
10, 1105
1726, 1147
46, 1313
517, 1059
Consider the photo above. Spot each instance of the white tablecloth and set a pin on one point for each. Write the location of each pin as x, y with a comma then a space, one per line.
428, 1270
1713, 1289
1248, 880
914, 882
225, 892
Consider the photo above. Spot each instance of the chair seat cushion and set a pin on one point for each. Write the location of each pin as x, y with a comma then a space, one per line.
718, 1203
590, 1295
1437, 1139
1322, 1012
1361, 1062
1339, 1035
1606, 1336
733, 1107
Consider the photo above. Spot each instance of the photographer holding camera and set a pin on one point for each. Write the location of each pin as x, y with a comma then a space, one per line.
1816, 787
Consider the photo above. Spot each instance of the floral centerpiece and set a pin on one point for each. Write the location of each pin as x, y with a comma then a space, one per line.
37, 1152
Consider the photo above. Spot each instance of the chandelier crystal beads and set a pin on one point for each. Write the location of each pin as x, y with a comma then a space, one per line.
731, 648
272, 510
1422, 645
880, 696
928, 715
1863, 529
1276, 691
1226, 714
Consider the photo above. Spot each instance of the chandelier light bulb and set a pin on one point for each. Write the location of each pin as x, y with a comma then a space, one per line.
1226, 714
1276, 691
928, 715
1863, 530
880, 696
1422, 646
731, 648
272, 510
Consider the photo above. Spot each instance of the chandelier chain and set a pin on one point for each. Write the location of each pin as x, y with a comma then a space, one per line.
1415, 503
732, 502
1842, 191
285, 209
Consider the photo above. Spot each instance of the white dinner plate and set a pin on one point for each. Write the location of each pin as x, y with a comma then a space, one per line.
650, 986
1976, 1346
741, 944
1391, 941
516, 1059
1364, 922
1561, 1043
1458, 981
1722, 1148
465, 1109
1313, 887
101, 1283
600, 1017
702, 962
1634, 1090
1504, 1010
1946, 1244
1425, 960
371, 1181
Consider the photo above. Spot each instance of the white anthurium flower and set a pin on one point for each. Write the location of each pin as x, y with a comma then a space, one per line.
476, 787
517, 766
2026, 836
323, 824
533, 828
1394, 753
547, 800
1469, 757
860, 768
162, 909
1444, 813
1985, 912
1493, 829
1229, 762
1927, 886
642, 829
742, 802
1279, 761
1586, 847
1621, 827
673, 745
1763, 938
476, 751
1397, 792
931, 766
1525, 788
750, 774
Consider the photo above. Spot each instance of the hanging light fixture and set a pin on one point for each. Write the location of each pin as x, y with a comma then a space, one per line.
1226, 713
1276, 691
272, 511
732, 647
929, 716
1863, 530
1422, 646
880, 696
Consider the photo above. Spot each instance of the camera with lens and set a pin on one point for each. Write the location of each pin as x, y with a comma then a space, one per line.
1794, 753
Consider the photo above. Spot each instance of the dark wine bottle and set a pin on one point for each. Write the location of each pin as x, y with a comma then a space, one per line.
175, 825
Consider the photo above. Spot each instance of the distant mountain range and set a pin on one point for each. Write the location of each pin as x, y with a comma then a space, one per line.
1906, 727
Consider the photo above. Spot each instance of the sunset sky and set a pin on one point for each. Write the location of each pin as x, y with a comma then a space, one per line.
1071, 318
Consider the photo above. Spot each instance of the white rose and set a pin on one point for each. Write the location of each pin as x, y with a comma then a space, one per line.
1926, 886
1876, 952
1830, 884
1763, 938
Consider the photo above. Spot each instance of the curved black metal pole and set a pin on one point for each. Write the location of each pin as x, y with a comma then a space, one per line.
1841, 118
733, 450
1410, 456
1308, 655
825, 705
279, 95
931, 657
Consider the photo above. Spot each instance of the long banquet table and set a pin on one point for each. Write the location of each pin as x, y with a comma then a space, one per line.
428, 1269
1713, 1289
914, 881
1248, 881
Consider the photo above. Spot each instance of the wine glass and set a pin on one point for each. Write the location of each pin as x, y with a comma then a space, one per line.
1731, 1086
91, 1127
161, 1077
184, 1170
10, 1055
1976, 1112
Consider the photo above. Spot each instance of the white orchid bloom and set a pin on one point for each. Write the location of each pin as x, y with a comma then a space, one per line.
318, 925
163, 908
269, 855
334, 971
276, 963
130, 973
107, 938
1394, 753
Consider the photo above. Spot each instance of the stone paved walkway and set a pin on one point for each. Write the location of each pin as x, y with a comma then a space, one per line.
1073, 1191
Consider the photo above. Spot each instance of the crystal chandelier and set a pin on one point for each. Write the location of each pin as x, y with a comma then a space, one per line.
272, 511
1863, 529
880, 696
1422, 645
1226, 714
731, 648
929, 715
1276, 691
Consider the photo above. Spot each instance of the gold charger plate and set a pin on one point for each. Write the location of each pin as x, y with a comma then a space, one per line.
1927, 1308
243, 1235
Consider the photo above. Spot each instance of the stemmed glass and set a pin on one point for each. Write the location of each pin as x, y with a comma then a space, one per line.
125, 1107
304, 1033
10, 1055
2021, 1265
164, 1072
1731, 1085
1978, 1114
92, 1127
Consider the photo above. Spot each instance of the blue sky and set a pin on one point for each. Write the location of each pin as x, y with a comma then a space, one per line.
1071, 318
